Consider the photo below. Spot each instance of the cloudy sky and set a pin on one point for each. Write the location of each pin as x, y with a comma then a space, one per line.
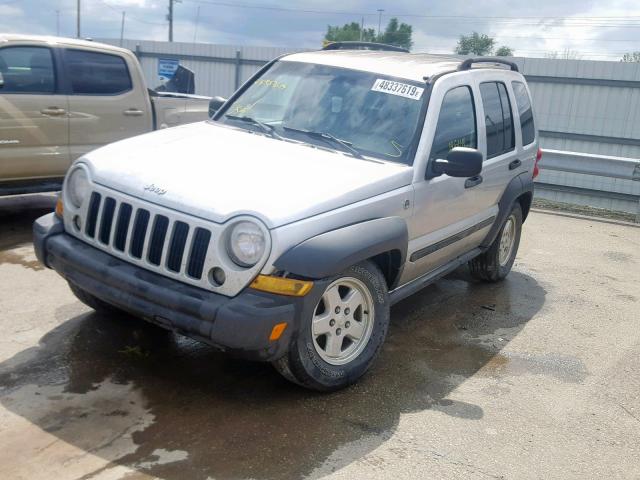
594, 29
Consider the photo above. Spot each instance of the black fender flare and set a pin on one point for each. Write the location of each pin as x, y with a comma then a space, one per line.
517, 187
334, 251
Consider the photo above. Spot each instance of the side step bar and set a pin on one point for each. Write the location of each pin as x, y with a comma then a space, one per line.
419, 283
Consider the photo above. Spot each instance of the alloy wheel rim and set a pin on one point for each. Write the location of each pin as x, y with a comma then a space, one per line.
343, 321
507, 241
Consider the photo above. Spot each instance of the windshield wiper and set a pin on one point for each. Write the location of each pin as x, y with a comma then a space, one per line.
346, 146
265, 127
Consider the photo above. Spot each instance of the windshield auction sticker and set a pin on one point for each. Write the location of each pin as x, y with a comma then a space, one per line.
397, 88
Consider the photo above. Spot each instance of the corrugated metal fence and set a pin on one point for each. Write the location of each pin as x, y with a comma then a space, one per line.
581, 106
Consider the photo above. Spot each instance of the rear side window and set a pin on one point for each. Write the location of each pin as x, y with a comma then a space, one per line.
27, 70
93, 73
525, 111
456, 124
498, 118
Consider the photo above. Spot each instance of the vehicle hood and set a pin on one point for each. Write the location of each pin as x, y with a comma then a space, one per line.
217, 172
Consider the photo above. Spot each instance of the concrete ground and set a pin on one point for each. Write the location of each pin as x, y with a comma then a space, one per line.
536, 377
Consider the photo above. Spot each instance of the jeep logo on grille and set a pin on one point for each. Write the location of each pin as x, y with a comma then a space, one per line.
157, 190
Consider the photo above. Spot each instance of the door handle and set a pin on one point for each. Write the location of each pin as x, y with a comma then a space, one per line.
53, 111
133, 112
473, 181
515, 164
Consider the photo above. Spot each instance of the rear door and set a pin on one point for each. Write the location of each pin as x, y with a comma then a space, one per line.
108, 99
34, 126
502, 160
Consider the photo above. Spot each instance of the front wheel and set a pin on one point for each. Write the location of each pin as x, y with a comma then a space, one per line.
495, 264
341, 337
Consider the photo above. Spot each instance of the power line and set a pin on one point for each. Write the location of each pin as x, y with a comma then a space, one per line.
131, 17
586, 20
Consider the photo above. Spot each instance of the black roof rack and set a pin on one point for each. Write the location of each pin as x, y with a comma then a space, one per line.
468, 63
363, 46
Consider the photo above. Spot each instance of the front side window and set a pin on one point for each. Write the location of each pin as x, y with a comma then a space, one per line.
456, 124
498, 118
373, 114
525, 111
93, 73
27, 70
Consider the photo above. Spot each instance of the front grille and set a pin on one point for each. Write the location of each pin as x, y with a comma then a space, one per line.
163, 242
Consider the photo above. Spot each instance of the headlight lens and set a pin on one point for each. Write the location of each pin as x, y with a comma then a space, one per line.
78, 187
246, 244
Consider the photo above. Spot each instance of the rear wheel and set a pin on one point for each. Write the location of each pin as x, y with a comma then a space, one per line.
340, 338
496, 263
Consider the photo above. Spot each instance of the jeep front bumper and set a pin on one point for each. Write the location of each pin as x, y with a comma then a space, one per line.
240, 325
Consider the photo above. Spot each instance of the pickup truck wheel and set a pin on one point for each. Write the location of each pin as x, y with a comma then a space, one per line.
341, 337
495, 264
93, 302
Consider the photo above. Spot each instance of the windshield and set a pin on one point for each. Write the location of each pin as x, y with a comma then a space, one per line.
361, 113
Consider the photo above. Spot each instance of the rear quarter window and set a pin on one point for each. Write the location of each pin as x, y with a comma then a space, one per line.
523, 101
94, 73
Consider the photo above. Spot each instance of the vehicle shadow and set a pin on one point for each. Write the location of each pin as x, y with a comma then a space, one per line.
225, 418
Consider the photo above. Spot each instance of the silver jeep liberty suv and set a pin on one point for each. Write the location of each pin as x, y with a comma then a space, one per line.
328, 187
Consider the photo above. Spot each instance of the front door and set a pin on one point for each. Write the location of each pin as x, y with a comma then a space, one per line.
34, 125
451, 215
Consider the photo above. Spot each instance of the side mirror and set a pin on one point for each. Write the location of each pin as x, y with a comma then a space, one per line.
1, 80
460, 162
214, 105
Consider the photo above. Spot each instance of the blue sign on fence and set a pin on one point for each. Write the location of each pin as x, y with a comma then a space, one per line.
166, 68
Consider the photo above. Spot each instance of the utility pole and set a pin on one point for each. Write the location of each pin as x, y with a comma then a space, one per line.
380, 10
195, 31
122, 28
78, 20
170, 18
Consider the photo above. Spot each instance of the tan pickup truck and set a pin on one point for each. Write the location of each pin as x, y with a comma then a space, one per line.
61, 98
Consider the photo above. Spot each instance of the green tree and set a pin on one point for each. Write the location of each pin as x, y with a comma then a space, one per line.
504, 51
350, 32
633, 57
475, 44
396, 33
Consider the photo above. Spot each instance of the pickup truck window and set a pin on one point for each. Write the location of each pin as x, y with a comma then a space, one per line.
27, 70
526, 113
376, 115
93, 73
457, 123
498, 118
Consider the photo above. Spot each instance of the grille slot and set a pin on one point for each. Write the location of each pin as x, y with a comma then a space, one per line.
92, 214
107, 219
158, 236
139, 232
122, 226
199, 247
176, 247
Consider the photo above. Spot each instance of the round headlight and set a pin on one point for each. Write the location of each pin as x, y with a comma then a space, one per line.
78, 187
246, 244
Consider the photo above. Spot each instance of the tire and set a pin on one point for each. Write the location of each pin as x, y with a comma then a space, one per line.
335, 360
488, 267
93, 302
